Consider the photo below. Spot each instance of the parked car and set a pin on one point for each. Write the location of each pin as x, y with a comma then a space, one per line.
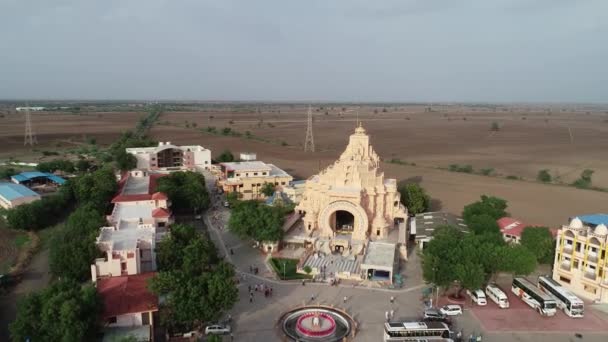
217, 329
478, 297
451, 310
435, 315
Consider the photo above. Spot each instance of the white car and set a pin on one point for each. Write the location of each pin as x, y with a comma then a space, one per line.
478, 297
451, 310
217, 329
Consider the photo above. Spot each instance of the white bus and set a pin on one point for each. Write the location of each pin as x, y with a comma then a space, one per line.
533, 296
497, 296
566, 300
417, 331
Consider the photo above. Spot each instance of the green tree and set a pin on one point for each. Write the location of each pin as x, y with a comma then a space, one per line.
544, 176
43, 213
225, 157
66, 311
197, 286
495, 126
125, 161
440, 256
307, 269
7, 172
539, 241
483, 223
518, 260
268, 189
73, 249
493, 206
83, 165
96, 188
414, 197
186, 190
585, 180
257, 221
56, 165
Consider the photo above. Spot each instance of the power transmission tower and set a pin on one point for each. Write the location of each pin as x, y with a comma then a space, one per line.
30, 137
309, 144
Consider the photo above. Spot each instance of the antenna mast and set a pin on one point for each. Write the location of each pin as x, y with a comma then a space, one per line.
309, 144
30, 137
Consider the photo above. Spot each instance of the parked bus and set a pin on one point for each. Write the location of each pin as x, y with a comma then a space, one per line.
417, 331
497, 296
566, 300
533, 296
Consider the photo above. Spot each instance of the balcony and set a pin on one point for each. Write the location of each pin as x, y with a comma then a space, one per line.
565, 267
568, 249
592, 257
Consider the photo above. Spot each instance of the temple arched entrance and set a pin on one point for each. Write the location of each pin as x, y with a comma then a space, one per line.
344, 218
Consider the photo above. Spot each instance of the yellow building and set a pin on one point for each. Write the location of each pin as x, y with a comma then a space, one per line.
580, 259
248, 178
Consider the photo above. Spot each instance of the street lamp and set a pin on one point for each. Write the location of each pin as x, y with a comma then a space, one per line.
284, 269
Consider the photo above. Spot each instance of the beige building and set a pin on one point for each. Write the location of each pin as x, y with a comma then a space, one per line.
137, 222
580, 259
168, 157
248, 178
351, 198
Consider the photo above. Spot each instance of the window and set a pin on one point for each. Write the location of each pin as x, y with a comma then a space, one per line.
282, 183
378, 232
255, 173
590, 289
603, 254
240, 185
161, 224
564, 279
578, 246
576, 263
112, 320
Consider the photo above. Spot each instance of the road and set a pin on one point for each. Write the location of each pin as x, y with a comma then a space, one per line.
36, 277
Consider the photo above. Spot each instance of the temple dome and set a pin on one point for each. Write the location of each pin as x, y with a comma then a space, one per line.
576, 223
601, 229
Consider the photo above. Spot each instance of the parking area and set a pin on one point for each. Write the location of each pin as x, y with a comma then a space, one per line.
520, 317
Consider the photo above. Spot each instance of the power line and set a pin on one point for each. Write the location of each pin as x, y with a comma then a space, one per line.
309, 144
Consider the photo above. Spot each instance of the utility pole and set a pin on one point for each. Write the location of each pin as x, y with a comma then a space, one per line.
30, 137
309, 144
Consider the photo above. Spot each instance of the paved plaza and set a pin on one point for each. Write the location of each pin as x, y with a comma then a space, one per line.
257, 320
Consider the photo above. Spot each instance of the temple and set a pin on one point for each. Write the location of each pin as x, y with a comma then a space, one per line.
351, 209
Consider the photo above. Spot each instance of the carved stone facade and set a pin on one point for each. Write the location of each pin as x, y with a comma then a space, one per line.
351, 199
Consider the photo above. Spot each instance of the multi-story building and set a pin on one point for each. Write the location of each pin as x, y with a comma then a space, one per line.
168, 157
137, 222
248, 178
580, 259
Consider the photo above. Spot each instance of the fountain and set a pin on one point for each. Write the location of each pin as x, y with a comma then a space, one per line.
316, 324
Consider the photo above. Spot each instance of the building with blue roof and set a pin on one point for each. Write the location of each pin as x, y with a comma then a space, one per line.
12, 195
594, 220
37, 177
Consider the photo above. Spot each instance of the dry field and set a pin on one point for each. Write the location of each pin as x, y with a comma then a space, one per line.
565, 141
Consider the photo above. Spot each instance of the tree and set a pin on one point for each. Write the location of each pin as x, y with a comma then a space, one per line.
544, 176
268, 189
197, 286
307, 269
43, 213
225, 157
7, 172
83, 165
495, 126
73, 248
483, 223
414, 197
186, 190
440, 256
56, 165
96, 188
256, 220
539, 241
65, 311
493, 206
125, 161
585, 180
518, 260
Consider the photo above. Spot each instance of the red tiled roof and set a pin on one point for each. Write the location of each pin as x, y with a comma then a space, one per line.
511, 226
137, 197
160, 212
126, 294
159, 196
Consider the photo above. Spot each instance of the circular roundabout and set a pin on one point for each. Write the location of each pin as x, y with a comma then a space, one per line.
316, 324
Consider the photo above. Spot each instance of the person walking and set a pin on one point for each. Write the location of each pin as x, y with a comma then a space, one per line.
344, 299
392, 313
312, 297
392, 299
386, 315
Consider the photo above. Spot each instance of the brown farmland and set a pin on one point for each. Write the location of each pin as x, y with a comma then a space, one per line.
564, 141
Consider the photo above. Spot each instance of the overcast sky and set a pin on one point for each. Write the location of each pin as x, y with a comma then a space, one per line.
306, 50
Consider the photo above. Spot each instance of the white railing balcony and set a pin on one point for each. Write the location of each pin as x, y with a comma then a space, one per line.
568, 249
592, 257
590, 275
565, 267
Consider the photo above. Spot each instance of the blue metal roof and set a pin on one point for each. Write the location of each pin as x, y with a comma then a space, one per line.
12, 191
29, 175
594, 219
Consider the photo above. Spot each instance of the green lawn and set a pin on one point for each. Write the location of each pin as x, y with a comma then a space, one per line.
288, 268
21, 240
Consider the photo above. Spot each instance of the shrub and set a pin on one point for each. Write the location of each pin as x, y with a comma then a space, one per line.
487, 171
226, 131
512, 177
495, 127
544, 176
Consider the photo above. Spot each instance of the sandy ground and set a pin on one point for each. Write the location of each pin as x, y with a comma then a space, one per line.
565, 141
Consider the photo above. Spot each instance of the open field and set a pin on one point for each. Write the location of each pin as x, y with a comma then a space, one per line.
564, 140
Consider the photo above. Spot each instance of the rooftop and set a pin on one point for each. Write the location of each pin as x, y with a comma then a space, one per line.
12, 191
126, 294
247, 166
594, 219
425, 224
380, 254
511, 226
136, 188
29, 175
